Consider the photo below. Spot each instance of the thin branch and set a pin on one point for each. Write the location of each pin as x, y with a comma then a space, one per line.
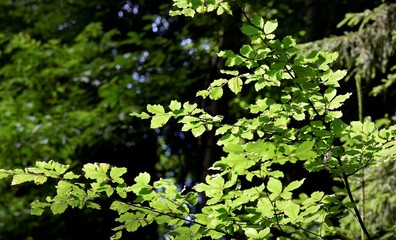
185, 219
349, 192
309, 232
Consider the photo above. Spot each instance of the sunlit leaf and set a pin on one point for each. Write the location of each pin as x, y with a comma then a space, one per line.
116, 173
274, 186
21, 178
175, 105
155, 109
158, 121
198, 131
293, 185
250, 30
235, 84
70, 175
270, 26
141, 115
58, 207
292, 210
40, 179
216, 93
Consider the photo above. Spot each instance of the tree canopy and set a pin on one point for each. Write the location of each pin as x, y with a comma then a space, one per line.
266, 119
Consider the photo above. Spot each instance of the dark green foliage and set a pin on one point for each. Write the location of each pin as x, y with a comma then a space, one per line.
274, 112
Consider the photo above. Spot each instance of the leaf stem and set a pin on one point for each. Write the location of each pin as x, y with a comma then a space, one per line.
355, 208
185, 219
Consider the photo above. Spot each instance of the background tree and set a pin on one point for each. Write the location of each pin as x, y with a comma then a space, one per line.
67, 99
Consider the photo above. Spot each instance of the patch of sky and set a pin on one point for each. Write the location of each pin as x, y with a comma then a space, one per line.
62, 26
205, 44
160, 24
138, 77
185, 42
144, 56
130, 8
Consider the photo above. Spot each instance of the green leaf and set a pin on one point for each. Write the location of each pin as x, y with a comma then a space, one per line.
224, 7
155, 109
64, 188
229, 72
142, 115
21, 178
349, 205
330, 93
337, 127
251, 233
96, 171
285, 98
311, 210
270, 26
36, 211
299, 116
192, 198
274, 186
216, 93
196, 3
215, 181
263, 233
226, 54
70, 175
293, 185
292, 210
288, 42
369, 127
247, 51
317, 195
202, 93
158, 121
143, 178
58, 207
116, 236
92, 205
233, 148
37, 207
4, 173
120, 207
250, 30
338, 101
334, 114
235, 84
332, 78
188, 12
121, 190
130, 221
189, 107
198, 131
223, 129
218, 82
175, 105
305, 146
40, 179
163, 219
116, 173
258, 21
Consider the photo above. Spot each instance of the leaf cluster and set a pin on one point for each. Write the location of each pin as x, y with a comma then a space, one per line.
245, 197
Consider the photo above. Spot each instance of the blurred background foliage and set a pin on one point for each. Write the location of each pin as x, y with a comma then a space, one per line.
71, 71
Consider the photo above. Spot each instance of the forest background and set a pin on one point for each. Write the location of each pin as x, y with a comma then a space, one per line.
72, 71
